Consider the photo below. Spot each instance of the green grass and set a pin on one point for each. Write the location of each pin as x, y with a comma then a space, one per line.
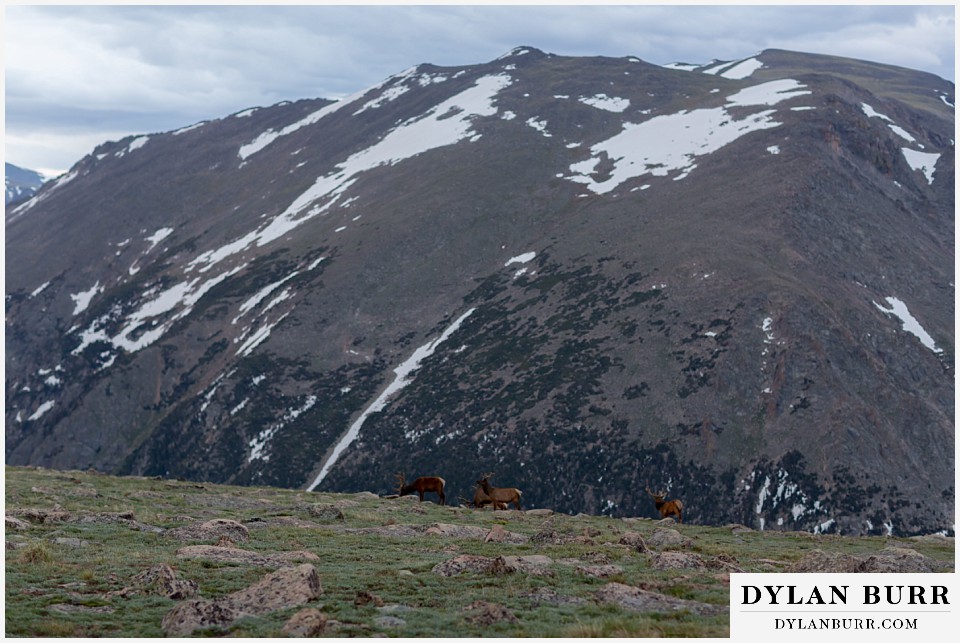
57, 589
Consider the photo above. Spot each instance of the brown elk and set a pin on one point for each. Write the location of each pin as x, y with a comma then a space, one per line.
422, 485
668, 507
481, 499
500, 495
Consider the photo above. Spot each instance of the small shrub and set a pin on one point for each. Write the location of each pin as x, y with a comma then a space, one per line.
37, 552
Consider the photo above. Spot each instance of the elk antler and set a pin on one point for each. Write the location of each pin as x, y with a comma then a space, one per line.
400, 482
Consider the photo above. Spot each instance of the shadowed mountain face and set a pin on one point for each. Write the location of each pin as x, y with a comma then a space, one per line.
587, 275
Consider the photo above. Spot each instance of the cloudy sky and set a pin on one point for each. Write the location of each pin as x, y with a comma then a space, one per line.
77, 76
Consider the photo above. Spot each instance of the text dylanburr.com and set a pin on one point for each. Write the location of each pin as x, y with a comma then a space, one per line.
847, 607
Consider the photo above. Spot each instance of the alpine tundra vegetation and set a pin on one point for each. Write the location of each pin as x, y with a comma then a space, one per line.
731, 282
92, 555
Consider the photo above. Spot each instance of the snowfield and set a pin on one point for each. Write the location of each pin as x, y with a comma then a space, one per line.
910, 323
672, 143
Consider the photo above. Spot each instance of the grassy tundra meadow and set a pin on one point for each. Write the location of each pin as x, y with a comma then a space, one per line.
92, 555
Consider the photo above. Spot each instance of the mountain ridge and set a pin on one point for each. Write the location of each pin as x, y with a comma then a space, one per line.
711, 312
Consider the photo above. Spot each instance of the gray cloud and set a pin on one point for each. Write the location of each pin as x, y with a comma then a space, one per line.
80, 75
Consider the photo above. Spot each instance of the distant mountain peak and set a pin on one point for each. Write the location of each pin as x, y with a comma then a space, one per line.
20, 183
516, 52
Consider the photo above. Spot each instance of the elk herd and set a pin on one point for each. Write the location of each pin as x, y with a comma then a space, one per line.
499, 497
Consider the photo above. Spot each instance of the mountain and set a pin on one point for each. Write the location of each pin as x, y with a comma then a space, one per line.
20, 183
589, 276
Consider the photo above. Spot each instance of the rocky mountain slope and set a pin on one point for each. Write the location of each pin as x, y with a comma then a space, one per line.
587, 275
20, 183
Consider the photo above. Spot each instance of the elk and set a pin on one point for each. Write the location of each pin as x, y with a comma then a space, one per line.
668, 507
481, 499
422, 485
500, 495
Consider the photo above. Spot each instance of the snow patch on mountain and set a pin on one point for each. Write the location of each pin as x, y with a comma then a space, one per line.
262, 333
769, 93
386, 96
602, 101
39, 289
259, 443
83, 298
404, 375
135, 144
157, 237
539, 125
910, 323
925, 162
189, 128
265, 292
157, 311
787, 494
681, 66
742, 69
266, 138
672, 142
896, 129
402, 83
269, 136
734, 70
446, 124
398, 88
144, 326
524, 258
516, 51
42, 410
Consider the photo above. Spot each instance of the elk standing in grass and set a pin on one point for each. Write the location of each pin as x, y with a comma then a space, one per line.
422, 485
668, 507
500, 495
481, 499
